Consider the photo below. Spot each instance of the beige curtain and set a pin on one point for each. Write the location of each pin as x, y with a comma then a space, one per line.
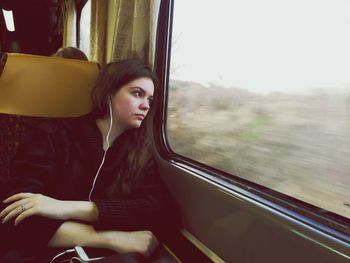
99, 15
69, 18
134, 29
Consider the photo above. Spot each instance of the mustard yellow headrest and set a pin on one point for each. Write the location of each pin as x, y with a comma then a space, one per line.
46, 86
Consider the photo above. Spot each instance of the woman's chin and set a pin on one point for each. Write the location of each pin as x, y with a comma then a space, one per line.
135, 124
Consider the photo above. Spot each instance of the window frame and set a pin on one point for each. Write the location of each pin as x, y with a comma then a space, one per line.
328, 222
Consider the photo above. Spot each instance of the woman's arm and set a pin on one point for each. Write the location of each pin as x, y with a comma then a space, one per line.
23, 205
71, 234
139, 212
150, 208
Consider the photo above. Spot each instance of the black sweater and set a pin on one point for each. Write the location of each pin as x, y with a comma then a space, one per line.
60, 159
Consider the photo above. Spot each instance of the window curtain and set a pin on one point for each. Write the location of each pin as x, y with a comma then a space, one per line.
98, 29
135, 29
69, 24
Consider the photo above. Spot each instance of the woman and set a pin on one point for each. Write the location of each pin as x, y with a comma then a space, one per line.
86, 181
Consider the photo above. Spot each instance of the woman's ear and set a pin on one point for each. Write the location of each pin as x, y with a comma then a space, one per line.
3, 59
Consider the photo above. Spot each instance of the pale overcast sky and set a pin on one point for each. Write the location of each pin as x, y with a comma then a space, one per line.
263, 45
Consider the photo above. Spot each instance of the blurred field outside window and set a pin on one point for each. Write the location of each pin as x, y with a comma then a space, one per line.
261, 90
84, 40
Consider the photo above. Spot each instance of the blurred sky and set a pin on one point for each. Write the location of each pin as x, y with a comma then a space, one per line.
263, 45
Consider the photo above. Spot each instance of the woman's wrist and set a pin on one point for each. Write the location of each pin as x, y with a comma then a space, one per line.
112, 239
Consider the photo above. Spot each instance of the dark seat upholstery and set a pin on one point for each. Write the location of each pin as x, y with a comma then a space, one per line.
37, 87
12, 132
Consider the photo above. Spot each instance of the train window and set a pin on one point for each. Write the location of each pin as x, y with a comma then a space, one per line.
84, 40
261, 90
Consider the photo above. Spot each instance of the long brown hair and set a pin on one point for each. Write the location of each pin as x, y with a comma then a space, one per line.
138, 149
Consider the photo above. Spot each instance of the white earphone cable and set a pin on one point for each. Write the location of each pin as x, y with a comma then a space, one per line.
105, 152
61, 254
93, 184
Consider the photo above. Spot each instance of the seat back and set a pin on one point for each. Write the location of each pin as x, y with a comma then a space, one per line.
32, 87
46, 86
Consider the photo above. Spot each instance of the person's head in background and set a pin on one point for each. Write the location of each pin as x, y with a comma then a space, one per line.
70, 52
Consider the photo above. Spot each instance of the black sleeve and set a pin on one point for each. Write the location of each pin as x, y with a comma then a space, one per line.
32, 170
151, 208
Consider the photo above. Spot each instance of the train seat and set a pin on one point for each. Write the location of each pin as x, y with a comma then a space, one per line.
35, 87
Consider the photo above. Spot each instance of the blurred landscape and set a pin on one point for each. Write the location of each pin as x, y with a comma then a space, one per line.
297, 144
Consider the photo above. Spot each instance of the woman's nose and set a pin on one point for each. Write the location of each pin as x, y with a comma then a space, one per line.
145, 105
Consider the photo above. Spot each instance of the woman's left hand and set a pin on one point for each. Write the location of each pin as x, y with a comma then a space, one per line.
24, 205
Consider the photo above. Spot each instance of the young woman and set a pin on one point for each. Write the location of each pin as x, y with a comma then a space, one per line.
91, 181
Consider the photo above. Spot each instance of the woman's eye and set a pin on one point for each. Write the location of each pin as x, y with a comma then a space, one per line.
137, 93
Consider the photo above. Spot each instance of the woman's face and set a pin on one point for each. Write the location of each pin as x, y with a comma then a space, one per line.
131, 103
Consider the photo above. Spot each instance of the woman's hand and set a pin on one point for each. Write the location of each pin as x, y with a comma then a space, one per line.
143, 242
24, 205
